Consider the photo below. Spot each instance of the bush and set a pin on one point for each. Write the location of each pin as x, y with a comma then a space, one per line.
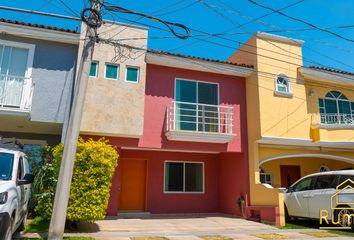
43, 188
95, 164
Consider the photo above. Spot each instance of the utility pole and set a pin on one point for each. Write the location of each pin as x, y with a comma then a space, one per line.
57, 223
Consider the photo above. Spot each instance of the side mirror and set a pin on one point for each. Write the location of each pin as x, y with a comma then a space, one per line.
27, 179
290, 190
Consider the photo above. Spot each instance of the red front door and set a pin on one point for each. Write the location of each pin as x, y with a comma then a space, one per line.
289, 175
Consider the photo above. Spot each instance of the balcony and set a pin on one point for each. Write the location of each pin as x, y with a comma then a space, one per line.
195, 122
337, 120
15, 94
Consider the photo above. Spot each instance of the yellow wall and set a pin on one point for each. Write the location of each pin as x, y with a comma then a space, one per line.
291, 117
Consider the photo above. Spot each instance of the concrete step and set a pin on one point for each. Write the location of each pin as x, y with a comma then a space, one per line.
133, 214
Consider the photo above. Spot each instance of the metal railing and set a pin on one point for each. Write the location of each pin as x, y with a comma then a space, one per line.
337, 118
196, 117
15, 92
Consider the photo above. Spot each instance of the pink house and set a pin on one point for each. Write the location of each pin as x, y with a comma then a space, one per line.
191, 153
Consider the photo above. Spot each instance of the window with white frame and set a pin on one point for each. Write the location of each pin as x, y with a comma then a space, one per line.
16, 61
282, 84
265, 177
184, 177
112, 71
94, 69
335, 108
132, 74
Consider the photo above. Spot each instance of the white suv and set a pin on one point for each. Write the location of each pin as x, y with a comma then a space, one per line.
332, 192
15, 190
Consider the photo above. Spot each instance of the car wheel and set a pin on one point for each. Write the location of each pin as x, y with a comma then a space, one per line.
8, 233
339, 216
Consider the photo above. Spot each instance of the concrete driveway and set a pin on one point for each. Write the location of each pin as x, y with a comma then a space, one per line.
190, 228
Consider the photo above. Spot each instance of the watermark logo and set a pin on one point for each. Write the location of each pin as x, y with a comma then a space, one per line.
342, 207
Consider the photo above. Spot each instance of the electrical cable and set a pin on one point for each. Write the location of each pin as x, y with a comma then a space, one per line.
170, 25
300, 20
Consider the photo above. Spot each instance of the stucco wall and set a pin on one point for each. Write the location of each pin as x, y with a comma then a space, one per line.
53, 76
116, 107
160, 87
159, 202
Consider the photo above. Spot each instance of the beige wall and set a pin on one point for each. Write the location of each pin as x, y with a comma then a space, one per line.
116, 107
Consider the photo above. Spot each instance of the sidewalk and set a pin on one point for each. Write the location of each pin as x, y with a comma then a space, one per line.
190, 228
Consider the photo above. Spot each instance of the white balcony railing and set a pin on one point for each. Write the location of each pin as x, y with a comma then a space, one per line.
15, 93
213, 121
337, 118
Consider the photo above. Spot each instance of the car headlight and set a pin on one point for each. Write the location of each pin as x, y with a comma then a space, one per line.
3, 197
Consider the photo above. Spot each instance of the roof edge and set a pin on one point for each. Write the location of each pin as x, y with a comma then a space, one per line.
280, 38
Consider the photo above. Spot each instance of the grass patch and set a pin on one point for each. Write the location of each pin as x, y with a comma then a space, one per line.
271, 236
148, 238
292, 226
320, 234
217, 237
38, 224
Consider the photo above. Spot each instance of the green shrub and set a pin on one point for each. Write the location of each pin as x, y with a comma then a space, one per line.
43, 188
95, 164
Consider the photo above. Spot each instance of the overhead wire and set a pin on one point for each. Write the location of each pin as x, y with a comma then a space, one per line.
252, 53
302, 21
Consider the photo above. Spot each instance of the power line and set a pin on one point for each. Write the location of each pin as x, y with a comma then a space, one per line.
302, 21
170, 25
229, 47
302, 58
69, 8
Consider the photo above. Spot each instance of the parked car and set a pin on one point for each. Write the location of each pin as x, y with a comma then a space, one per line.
330, 191
15, 190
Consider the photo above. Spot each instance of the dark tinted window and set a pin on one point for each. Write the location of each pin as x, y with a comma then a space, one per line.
304, 185
6, 162
326, 181
343, 181
20, 169
174, 177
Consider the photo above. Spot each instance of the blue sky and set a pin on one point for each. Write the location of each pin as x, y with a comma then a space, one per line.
321, 49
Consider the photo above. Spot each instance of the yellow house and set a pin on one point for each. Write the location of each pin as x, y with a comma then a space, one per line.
300, 120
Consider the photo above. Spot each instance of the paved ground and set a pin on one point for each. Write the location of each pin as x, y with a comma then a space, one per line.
189, 228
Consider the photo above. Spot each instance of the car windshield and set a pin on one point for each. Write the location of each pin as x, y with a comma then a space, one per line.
6, 162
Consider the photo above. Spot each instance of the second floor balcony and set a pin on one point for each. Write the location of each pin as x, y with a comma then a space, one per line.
338, 119
15, 94
199, 122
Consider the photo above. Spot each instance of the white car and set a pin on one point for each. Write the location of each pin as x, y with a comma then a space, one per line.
15, 190
321, 193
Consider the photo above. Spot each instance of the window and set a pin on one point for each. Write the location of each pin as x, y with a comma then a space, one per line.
185, 177
326, 181
112, 71
265, 177
344, 178
20, 172
132, 74
6, 162
15, 65
196, 106
304, 185
93, 69
335, 108
282, 84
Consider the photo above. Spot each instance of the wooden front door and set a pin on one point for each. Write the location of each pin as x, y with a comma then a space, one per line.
289, 174
133, 184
